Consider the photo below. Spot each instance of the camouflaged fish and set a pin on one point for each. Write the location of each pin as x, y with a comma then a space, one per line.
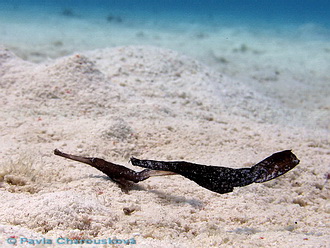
215, 178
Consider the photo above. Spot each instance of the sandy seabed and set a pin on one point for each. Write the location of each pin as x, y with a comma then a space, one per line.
154, 103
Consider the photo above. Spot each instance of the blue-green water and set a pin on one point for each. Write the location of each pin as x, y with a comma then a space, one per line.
282, 11
213, 12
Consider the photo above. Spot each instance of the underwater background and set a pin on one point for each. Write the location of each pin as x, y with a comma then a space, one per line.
279, 48
32, 27
275, 12
223, 83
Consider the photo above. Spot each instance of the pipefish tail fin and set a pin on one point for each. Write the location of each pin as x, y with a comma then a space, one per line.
274, 166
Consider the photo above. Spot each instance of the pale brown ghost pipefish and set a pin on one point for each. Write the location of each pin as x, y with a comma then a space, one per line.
116, 172
215, 178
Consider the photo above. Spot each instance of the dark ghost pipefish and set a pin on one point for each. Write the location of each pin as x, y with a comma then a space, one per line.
116, 172
222, 179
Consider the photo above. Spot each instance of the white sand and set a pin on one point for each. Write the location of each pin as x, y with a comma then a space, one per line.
157, 104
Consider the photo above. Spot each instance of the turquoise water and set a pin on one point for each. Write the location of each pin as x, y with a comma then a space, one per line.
249, 13
280, 11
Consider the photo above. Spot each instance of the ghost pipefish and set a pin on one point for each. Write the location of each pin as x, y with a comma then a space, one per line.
118, 173
215, 178
223, 179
